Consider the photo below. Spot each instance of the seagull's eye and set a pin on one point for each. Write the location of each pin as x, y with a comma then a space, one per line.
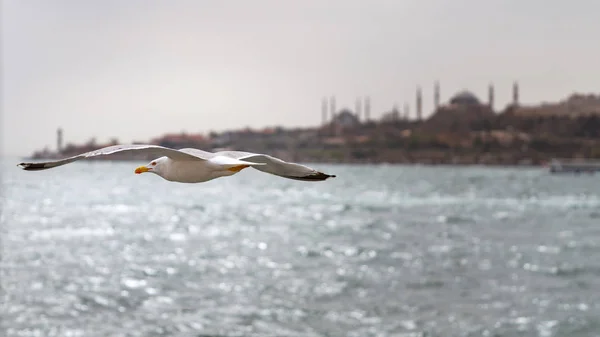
153, 163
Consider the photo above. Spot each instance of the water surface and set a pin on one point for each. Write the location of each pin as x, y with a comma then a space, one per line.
90, 249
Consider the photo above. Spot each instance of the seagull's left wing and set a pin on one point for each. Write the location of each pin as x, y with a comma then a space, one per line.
137, 148
277, 166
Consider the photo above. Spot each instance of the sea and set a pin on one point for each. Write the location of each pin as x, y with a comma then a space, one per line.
91, 249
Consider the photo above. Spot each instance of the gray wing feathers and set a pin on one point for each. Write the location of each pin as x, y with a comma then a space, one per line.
236, 154
139, 148
278, 167
198, 153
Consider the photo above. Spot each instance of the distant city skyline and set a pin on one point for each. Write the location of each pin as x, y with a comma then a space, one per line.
137, 69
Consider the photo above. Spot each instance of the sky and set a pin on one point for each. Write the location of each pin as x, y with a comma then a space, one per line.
139, 68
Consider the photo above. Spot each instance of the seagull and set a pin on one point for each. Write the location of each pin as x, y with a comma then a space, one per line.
193, 165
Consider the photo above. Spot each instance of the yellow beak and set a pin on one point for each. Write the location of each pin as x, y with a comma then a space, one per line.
141, 169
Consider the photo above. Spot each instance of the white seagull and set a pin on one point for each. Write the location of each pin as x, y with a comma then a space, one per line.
193, 165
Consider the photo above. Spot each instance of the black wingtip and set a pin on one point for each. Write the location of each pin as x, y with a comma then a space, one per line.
31, 166
325, 176
319, 176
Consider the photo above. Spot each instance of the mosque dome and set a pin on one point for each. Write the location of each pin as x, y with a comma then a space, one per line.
465, 98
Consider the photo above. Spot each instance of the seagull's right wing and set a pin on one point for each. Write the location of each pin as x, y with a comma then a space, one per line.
137, 148
198, 153
228, 162
277, 166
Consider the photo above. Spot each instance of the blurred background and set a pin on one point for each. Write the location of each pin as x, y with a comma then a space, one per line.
465, 137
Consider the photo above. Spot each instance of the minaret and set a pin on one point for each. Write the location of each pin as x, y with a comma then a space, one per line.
515, 94
332, 111
324, 110
436, 95
419, 104
396, 112
358, 108
367, 104
59, 140
491, 96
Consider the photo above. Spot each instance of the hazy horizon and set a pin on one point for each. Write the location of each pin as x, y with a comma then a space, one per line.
137, 69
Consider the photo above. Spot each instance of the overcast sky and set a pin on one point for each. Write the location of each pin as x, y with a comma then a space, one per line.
138, 68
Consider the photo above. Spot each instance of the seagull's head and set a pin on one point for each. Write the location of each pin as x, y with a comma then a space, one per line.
156, 166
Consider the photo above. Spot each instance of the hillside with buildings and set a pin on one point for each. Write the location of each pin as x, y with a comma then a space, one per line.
464, 130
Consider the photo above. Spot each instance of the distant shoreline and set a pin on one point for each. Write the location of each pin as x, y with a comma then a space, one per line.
464, 132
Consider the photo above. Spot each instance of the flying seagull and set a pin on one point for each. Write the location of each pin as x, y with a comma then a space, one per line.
193, 165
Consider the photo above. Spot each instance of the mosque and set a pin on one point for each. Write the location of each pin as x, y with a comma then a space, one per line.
466, 98
462, 110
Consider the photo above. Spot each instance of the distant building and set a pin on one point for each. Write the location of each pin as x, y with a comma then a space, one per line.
59, 140
465, 98
515, 92
180, 140
324, 111
463, 112
346, 119
332, 109
436, 95
576, 105
358, 108
491, 96
391, 116
419, 104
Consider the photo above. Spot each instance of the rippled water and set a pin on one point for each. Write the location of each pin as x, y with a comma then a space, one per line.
90, 249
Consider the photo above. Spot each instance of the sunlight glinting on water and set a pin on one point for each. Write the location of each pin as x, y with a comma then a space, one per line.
378, 251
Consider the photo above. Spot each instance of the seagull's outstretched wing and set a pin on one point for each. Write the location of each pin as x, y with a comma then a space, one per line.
277, 166
198, 153
137, 148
